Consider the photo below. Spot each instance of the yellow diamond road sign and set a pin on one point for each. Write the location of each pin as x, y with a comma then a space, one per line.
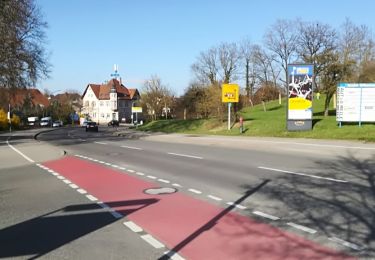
230, 93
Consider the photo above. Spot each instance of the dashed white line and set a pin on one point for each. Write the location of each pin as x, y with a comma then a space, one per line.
132, 148
177, 185
140, 173
214, 197
345, 243
82, 191
122, 168
115, 214
151, 177
173, 255
60, 177
236, 205
67, 181
195, 191
165, 181
133, 227
73, 186
152, 241
92, 198
302, 174
300, 227
186, 155
100, 143
131, 171
109, 164
265, 215
55, 173
50, 171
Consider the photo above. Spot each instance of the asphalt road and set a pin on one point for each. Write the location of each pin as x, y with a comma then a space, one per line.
323, 191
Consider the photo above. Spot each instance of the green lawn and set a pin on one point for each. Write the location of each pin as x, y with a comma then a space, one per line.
270, 123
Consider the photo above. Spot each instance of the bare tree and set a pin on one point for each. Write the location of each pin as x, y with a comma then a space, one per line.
316, 43
229, 57
206, 68
23, 59
156, 97
281, 39
356, 45
247, 55
218, 64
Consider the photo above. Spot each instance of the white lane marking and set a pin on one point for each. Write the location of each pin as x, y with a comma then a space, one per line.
115, 166
55, 173
82, 191
265, 215
186, 155
82, 140
102, 204
101, 162
131, 171
345, 243
39, 165
151, 177
165, 181
214, 197
195, 191
95, 160
173, 255
140, 173
122, 168
19, 152
100, 143
152, 241
73, 186
51, 171
60, 177
300, 227
176, 185
236, 205
92, 198
301, 174
108, 164
133, 227
67, 181
115, 214
131, 147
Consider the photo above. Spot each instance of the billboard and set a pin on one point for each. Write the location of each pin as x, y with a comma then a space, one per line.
230, 93
355, 102
300, 93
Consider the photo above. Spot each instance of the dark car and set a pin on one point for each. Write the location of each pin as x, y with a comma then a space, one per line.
114, 123
91, 126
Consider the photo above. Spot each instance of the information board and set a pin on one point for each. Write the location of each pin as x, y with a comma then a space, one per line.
355, 102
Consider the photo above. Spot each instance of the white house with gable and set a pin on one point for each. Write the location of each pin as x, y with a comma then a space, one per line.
112, 100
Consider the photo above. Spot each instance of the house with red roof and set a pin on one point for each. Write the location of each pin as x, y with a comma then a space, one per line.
108, 101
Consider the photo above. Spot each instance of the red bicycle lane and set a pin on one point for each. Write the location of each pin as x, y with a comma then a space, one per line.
191, 227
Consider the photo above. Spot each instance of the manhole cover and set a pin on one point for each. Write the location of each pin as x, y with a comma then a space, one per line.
160, 191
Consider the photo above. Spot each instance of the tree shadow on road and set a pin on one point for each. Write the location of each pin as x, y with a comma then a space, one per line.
337, 210
38, 236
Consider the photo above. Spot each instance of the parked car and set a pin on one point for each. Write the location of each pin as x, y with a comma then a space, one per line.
84, 123
114, 123
57, 123
91, 126
46, 121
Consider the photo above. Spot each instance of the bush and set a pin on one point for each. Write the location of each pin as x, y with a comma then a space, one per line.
3, 120
16, 121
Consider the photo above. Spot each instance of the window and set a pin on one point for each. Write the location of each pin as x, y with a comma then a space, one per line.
107, 103
108, 115
93, 104
102, 115
101, 103
87, 103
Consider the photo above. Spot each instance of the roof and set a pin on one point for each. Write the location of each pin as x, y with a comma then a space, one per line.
102, 91
37, 98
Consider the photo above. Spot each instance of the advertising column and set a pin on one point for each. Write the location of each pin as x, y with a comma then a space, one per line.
300, 94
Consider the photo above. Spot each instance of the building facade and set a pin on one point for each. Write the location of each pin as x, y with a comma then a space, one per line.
112, 100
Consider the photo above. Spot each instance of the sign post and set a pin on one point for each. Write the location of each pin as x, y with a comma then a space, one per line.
229, 94
136, 110
300, 93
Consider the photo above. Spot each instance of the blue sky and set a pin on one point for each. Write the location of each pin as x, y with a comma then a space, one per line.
164, 37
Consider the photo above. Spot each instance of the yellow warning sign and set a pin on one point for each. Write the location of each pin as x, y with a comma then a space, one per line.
230, 93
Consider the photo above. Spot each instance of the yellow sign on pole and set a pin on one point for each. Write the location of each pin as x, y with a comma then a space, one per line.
136, 109
230, 93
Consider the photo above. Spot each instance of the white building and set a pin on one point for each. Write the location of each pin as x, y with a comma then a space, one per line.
108, 101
